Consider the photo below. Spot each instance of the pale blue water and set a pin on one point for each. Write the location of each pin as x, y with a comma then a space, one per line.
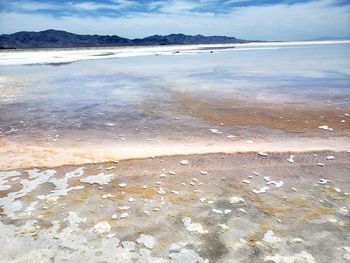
137, 91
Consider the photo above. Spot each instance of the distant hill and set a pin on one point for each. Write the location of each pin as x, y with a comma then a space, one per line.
186, 39
62, 39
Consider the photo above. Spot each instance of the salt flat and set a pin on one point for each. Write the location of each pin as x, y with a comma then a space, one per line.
204, 211
176, 154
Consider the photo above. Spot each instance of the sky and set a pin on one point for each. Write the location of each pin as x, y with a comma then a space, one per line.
245, 19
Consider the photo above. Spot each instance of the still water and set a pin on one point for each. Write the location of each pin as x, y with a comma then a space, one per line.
127, 93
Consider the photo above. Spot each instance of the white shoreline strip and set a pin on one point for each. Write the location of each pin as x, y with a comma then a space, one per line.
56, 56
14, 156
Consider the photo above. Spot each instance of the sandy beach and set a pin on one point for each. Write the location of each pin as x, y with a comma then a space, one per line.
225, 156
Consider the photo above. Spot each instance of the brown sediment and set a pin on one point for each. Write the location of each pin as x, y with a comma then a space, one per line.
302, 209
309, 213
331, 192
83, 196
258, 234
317, 212
292, 117
146, 193
180, 199
274, 211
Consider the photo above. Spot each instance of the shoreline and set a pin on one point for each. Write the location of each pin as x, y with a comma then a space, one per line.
63, 56
15, 156
219, 45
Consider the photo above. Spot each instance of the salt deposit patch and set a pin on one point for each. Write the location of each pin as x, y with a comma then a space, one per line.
55, 245
75, 173
102, 228
215, 131
4, 179
61, 185
325, 127
260, 190
30, 227
236, 200
147, 241
10, 205
184, 162
74, 220
100, 179
269, 237
277, 184
301, 257
188, 256
193, 227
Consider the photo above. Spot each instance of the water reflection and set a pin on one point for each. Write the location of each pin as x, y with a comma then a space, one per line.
134, 92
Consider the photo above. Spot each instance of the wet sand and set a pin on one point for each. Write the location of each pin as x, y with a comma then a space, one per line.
295, 117
214, 207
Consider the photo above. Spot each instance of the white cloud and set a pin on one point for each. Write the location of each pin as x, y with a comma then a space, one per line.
115, 5
237, 1
177, 6
156, 5
273, 22
31, 6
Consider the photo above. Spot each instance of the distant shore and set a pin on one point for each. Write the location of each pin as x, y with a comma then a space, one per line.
69, 55
61, 39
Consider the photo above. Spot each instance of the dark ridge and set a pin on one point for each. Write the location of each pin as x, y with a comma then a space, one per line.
62, 39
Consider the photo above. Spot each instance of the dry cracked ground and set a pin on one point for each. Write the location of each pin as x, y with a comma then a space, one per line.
248, 207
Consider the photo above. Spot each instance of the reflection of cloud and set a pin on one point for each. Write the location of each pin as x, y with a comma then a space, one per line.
255, 73
11, 87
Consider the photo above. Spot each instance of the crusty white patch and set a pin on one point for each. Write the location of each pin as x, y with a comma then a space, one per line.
102, 228
146, 240
270, 238
61, 185
100, 179
301, 257
74, 220
10, 204
4, 179
193, 227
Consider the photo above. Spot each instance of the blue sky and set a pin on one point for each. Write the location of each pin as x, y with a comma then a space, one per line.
248, 19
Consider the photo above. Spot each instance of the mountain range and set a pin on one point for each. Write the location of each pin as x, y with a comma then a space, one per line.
62, 39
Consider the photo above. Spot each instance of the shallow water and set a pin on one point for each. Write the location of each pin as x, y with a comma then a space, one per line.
113, 100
